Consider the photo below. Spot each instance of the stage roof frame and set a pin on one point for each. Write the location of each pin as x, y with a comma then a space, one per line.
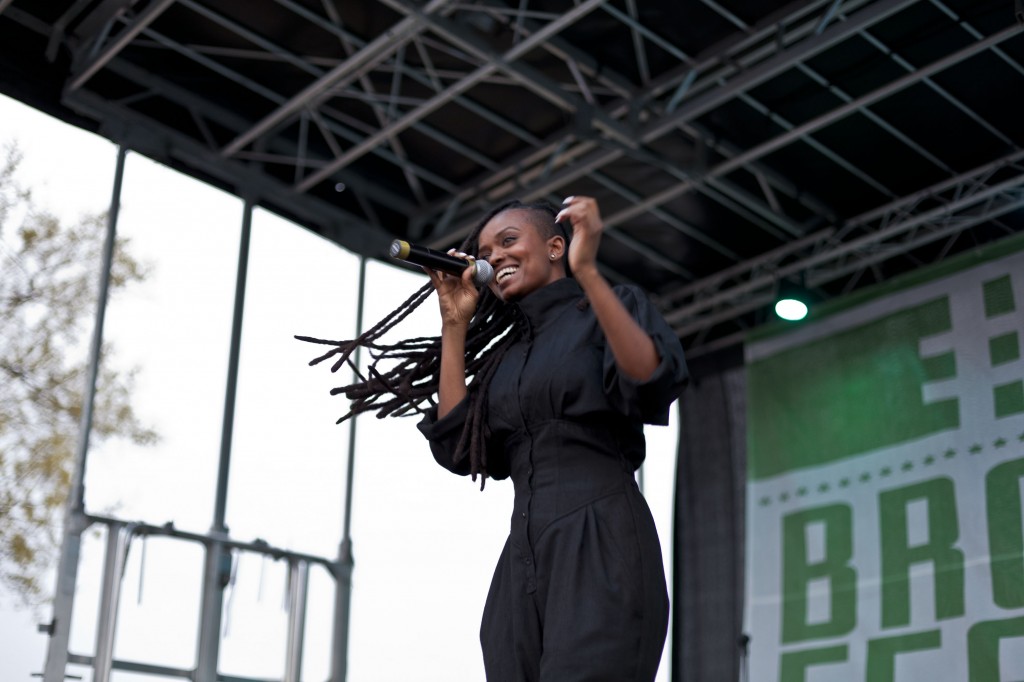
732, 145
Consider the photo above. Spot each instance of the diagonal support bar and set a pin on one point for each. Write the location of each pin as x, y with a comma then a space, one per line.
383, 45
437, 101
781, 62
713, 297
701, 104
120, 42
816, 124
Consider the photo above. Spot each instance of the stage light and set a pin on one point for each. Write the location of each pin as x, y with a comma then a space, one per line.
791, 309
792, 301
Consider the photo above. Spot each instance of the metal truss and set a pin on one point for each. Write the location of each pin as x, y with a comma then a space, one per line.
363, 109
707, 83
119, 536
943, 211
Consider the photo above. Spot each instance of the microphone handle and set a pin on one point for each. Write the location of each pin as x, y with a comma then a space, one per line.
437, 260
421, 255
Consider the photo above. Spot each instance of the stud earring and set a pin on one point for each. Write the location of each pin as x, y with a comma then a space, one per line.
552, 256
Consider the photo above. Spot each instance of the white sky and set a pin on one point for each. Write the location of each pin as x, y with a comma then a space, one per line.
425, 542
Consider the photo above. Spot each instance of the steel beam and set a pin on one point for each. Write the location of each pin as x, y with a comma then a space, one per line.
298, 589
148, 16
731, 310
217, 561
118, 537
942, 92
764, 272
345, 564
132, 666
528, 77
374, 52
775, 66
713, 283
749, 78
437, 101
59, 26
822, 257
429, 79
316, 72
351, 136
843, 96
805, 129
260, 547
75, 522
995, 207
570, 55
742, 51
141, 133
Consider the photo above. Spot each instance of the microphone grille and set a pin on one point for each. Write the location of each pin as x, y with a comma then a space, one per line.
484, 272
399, 249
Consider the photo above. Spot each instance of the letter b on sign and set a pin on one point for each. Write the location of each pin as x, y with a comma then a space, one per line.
817, 549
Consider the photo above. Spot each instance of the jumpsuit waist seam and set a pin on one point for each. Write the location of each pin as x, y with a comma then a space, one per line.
534, 539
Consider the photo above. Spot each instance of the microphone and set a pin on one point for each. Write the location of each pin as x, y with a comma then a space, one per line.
437, 260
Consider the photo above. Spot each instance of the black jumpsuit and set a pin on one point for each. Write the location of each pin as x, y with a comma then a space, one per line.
579, 590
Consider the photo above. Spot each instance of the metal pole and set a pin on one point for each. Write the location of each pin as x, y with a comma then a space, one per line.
110, 597
346, 562
298, 584
75, 521
217, 569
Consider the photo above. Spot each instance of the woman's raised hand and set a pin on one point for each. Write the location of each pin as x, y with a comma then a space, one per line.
585, 218
457, 296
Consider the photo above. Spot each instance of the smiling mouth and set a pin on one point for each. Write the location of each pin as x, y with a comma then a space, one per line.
505, 273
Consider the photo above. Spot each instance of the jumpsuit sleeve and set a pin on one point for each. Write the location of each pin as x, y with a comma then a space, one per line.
647, 400
443, 435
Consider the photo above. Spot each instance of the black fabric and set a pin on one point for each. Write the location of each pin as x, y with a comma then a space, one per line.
709, 530
579, 590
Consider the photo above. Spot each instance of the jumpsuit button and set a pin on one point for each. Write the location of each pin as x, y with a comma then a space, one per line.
527, 561
524, 514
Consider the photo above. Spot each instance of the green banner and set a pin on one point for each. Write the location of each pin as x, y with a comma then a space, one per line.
886, 471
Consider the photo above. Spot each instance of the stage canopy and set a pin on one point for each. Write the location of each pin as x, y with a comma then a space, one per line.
732, 145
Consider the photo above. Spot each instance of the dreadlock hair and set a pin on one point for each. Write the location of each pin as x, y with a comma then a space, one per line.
402, 388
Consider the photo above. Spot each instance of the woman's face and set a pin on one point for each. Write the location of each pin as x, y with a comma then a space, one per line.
520, 256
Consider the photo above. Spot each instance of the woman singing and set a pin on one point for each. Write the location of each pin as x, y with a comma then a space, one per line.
548, 379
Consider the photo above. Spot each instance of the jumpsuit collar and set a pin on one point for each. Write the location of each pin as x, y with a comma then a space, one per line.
538, 306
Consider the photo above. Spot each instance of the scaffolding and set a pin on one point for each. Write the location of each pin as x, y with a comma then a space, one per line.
218, 546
